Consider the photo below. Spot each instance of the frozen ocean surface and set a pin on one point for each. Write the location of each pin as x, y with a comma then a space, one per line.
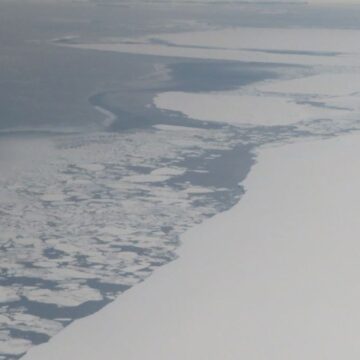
97, 183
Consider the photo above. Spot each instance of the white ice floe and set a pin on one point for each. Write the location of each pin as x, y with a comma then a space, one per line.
50, 197
71, 295
148, 178
277, 45
224, 276
194, 190
27, 323
242, 109
276, 277
317, 40
73, 230
8, 295
332, 93
334, 52
19, 154
92, 167
109, 116
13, 346
173, 128
157, 175
168, 171
325, 84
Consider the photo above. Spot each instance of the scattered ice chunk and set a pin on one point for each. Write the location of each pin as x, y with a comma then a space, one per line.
69, 296
114, 235
198, 190
14, 346
7, 294
168, 171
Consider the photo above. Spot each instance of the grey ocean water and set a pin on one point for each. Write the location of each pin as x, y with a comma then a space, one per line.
89, 209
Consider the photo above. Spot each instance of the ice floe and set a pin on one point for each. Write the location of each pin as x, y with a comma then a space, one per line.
71, 295
279, 269
91, 220
8, 295
333, 56
239, 108
276, 45
101, 226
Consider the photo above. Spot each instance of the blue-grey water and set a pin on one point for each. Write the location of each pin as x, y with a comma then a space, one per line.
88, 209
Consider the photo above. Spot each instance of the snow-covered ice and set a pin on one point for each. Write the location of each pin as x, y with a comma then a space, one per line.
85, 220
8, 295
331, 55
304, 46
78, 229
281, 283
326, 84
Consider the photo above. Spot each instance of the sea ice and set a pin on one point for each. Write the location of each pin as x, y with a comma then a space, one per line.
280, 276
8, 295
